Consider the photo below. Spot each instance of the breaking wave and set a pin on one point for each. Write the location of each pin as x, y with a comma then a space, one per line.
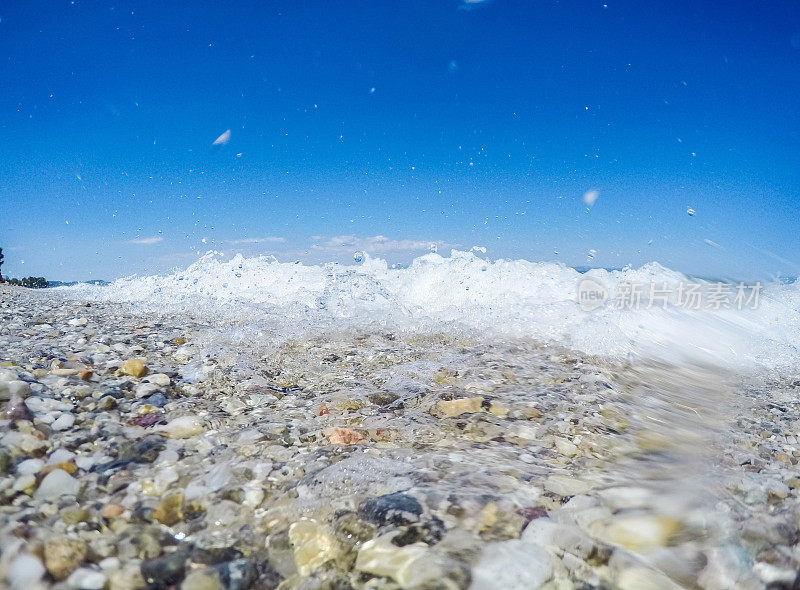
492, 299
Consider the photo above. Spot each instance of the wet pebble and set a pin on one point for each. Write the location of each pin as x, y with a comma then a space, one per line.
183, 427
25, 572
165, 571
158, 400
238, 574
395, 509
511, 565
63, 422
55, 484
63, 555
86, 579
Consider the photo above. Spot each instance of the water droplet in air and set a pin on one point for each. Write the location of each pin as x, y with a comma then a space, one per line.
222, 139
589, 197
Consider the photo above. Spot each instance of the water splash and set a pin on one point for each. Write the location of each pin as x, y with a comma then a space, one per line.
497, 299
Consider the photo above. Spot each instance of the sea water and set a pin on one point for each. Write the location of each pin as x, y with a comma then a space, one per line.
463, 292
513, 332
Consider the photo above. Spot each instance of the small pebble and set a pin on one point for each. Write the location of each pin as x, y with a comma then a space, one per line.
86, 579
25, 572
183, 427
57, 483
63, 555
134, 367
30, 466
63, 422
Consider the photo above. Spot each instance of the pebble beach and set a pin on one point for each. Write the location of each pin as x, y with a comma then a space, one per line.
134, 454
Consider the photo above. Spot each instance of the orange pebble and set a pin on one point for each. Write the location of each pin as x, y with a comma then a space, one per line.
112, 510
345, 436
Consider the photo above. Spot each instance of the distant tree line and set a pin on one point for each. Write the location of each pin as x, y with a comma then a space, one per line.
30, 282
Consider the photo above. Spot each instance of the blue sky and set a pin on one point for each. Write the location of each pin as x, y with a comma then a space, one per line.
387, 126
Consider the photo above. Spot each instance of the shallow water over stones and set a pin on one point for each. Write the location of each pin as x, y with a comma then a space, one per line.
377, 459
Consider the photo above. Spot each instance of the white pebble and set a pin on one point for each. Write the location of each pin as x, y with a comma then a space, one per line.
35, 404
512, 565
164, 478
57, 483
253, 494
109, 563
46, 404
145, 390
30, 466
86, 579
159, 379
60, 456
168, 456
24, 481
195, 489
64, 422
9, 389
184, 427
25, 572
262, 470
7, 375
218, 476
85, 463
546, 533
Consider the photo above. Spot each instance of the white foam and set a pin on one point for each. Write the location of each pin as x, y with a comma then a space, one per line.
501, 298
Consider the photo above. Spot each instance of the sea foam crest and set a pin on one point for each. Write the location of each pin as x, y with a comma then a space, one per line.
498, 299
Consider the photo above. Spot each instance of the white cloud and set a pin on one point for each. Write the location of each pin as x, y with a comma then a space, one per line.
376, 244
268, 239
468, 4
146, 241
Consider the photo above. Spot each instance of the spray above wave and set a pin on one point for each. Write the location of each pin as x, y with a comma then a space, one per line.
501, 298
